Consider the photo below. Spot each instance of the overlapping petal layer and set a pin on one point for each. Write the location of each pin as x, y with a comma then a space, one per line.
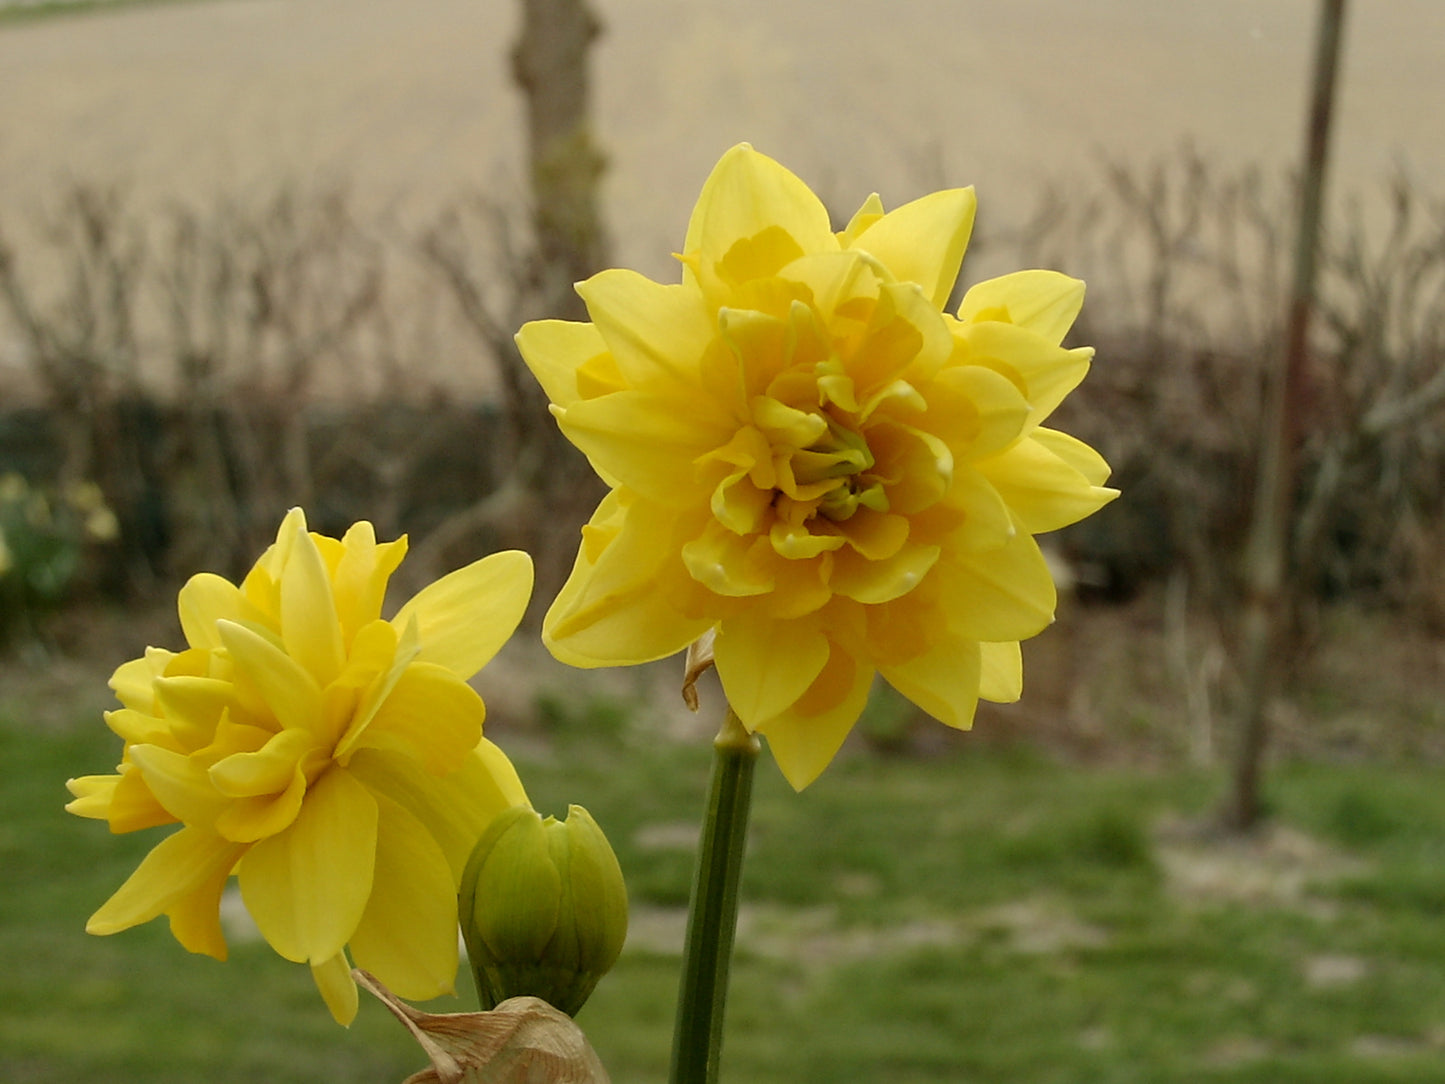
331, 760
808, 455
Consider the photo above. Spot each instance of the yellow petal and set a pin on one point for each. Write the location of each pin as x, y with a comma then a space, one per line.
943, 681
360, 578
307, 887
915, 466
132, 680
192, 706
205, 599
798, 543
377, 651
338, 989
897, 392
193, 662
555, 350
195, 917
748, 451
731, 564
180, 783
766, 665
647, 442
905, 336
988, 523
1001, 672
750, 267
431, 714
805, 738
865, 216
799, 587
840, 283
1043, 490
246, 820
139, 727
184, 862
373, 651
875, 535
872, 582
92, 795
464, 618
1044, 302
784, 424
739, 504
900, 630
333, 549
923, 241
760, 345
456, 808
309, 626
1047, 372
287, 688
407, 936
262, 585
748, 192
502, 788
133, 806
1003, 594
599, 375
264, 593
124, 800
267, 770
654, 331
985, 409
616, 607
1075, 453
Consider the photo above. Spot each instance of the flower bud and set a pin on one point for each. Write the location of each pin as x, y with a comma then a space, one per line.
543, 908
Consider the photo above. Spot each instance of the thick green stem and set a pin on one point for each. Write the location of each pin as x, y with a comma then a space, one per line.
713, 915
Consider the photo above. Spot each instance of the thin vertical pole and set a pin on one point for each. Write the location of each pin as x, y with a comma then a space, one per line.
1269, 596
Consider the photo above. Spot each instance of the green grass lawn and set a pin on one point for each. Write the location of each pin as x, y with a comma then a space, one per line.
981, 915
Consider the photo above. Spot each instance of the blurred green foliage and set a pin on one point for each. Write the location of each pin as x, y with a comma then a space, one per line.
45, 534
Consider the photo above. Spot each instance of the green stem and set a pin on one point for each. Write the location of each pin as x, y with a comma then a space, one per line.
713, 915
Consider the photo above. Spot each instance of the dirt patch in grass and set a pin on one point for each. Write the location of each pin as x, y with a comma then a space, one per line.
1278, 866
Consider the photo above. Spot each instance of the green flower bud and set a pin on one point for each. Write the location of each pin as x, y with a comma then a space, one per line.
543, 908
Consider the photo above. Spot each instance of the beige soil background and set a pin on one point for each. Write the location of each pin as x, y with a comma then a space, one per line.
407, 102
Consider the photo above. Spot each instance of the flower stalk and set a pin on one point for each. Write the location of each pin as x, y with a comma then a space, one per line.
713, 911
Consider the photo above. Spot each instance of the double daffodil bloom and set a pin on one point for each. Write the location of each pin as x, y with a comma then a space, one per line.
330, 759
813, 460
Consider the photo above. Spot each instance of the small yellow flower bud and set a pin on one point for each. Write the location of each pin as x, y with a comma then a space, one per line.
543, 908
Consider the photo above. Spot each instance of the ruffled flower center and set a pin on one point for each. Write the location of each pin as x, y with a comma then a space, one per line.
839, 459
836, 451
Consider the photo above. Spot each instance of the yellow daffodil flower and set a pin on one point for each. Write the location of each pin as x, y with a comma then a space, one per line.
810, 458
330, 759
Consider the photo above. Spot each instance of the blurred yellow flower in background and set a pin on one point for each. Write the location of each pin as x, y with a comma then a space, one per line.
811, 458
330, 759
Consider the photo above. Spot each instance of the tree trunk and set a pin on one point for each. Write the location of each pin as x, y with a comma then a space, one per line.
550, 63
1271, 595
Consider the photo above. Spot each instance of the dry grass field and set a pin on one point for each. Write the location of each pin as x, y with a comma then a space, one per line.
407, 107
407, 103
